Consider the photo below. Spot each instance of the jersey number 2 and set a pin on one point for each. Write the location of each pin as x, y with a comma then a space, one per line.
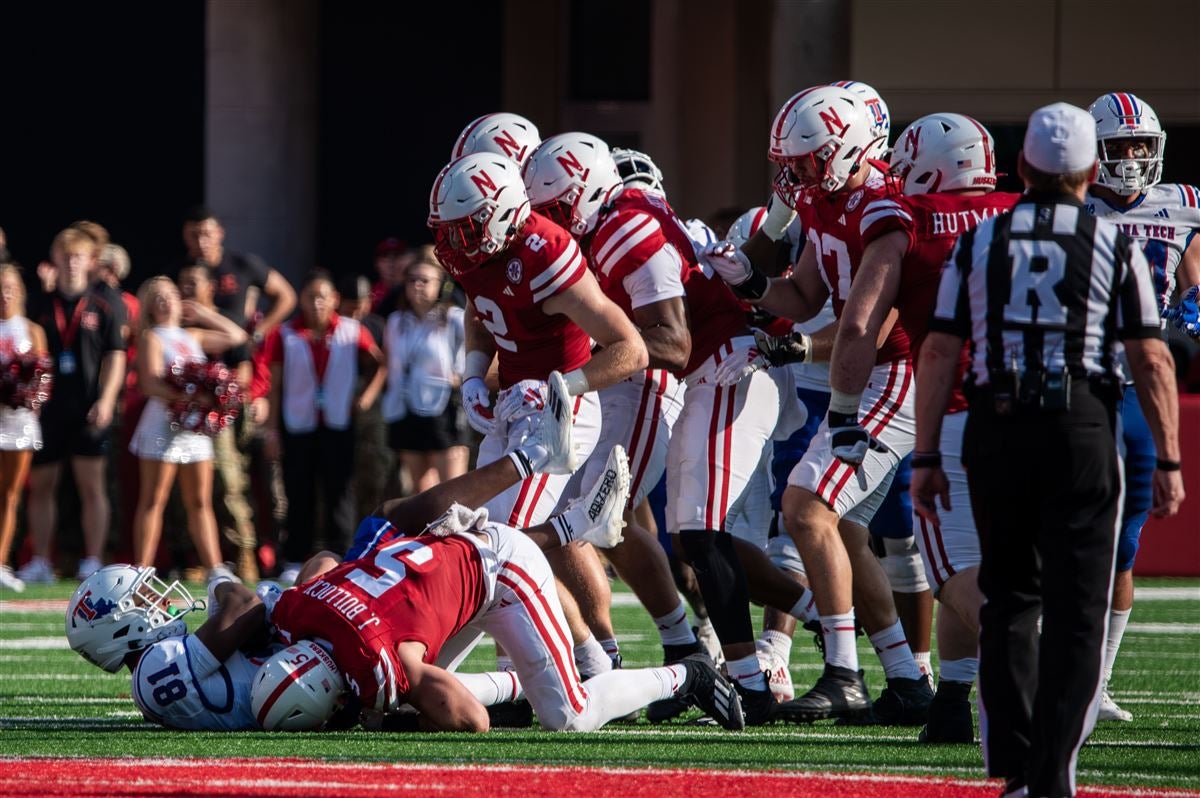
391, 560
492, 318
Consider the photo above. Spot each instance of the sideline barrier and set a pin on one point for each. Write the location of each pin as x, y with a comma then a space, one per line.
1171, 546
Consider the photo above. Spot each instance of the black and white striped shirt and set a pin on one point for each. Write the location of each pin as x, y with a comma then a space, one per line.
1046, 287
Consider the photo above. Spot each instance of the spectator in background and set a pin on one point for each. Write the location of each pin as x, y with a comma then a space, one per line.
165, 452
83, 330
230, 464
314, 362
20, 429
373, 461
241, 277
390, 261
4, 255
425, 352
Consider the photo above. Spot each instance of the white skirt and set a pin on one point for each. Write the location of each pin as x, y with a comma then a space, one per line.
20, 429
154, 440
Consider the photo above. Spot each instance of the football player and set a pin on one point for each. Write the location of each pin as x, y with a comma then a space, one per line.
690, 322
534, 306
948, 168
1164, 218
821, 140
506, 134
126, 616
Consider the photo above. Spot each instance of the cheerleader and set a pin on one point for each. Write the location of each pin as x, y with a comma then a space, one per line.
175, 331
424, 346
20, 430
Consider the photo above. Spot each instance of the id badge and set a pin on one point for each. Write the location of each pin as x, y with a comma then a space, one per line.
66, 363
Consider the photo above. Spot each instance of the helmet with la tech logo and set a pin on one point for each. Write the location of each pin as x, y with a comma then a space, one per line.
1130, 140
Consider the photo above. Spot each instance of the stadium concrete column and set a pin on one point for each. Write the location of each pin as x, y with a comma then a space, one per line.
810, 45
261, 127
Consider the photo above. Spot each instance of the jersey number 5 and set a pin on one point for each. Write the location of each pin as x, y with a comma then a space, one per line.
391, 560
492, 318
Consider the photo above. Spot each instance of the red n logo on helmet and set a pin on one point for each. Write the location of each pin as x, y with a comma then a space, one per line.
485, 184
505, 141
571, 165
833, 122
912, 141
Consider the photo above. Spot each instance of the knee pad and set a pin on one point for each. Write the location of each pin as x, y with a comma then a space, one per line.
1127, 543
784, 555
903, 566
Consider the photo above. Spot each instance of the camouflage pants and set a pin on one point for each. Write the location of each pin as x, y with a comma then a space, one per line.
230, 467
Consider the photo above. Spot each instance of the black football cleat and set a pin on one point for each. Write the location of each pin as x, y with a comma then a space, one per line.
511, 715
904, 702
839, 693
949, 715
711, 692
671, 708
758, 705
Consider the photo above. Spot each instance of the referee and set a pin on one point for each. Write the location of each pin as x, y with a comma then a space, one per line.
1044, 293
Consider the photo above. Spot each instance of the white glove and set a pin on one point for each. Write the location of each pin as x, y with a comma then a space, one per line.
520, 400
478, 402
739, 364
850, 442
728, 261
457, 520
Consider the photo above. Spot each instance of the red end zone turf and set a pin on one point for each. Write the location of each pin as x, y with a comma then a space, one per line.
74, 777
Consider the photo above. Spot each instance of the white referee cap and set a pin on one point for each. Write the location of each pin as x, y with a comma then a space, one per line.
1060, 138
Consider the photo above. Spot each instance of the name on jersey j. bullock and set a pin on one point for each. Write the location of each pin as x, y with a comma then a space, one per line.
961, 221
341, 600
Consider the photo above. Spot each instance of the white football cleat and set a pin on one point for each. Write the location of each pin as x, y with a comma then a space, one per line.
605, 502
37, 572
1109, 709
9, 580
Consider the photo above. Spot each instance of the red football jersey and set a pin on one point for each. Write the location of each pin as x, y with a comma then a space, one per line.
637, 226
508, 291
424, 588
933, 223
832, 225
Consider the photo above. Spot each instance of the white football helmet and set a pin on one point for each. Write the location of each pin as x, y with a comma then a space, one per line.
478, 204
296, 689
638, 170
820, 139
746, 226
945, 152
123, 608
877, 113
1122, 116
504, 134
569, 178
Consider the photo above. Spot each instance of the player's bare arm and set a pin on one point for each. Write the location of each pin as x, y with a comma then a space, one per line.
240, 619
283, 302
765, 254
473, 489
374, 363
622, 353
868, 307
935, 382
664, 328
802, 294
444, 703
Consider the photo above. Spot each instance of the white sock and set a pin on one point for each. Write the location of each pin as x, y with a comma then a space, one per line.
1117, 620
805, 609
609, 644
617, 693
959, 670
674, 628
777, 642
591, 658
491, 688
894, 654
840, 648
922, 658
747, 672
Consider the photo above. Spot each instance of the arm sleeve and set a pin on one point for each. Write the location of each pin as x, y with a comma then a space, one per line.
951, 310
1137, 306
365, 339
656, 279
203, 663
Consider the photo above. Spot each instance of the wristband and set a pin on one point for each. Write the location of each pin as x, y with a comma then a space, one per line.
926, 460
477, 365
1166, 465
779, 217
576, 382
754, 287
844, 402
840, 419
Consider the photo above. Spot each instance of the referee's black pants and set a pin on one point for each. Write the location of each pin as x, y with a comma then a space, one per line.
1045, 492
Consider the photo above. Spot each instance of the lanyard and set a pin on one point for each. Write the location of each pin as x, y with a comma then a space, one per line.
66, 334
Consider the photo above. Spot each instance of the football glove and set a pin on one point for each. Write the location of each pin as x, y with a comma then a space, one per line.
727, 260
520, 400
478, 402
1186, 315
850, 443
739, 364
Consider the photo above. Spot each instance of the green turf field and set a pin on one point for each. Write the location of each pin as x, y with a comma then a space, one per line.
49, 696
